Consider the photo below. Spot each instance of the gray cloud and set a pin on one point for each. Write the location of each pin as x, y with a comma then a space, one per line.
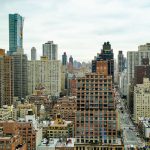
79, 27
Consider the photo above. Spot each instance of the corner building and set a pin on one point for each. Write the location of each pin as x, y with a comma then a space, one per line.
96, 118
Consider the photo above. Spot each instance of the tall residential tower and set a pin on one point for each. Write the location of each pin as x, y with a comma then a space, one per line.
96, 117
33, 53
20, 75
121, 62
15, 33
6, 79
50, 50
64, 59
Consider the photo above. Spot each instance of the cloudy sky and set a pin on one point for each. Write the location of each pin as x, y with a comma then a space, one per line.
79, 27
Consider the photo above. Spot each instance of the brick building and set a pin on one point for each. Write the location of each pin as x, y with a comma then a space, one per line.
10, 138
96, 118
66, 106
58, 128
6, 79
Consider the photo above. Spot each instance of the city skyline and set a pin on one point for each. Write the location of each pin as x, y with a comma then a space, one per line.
79, 26
75, 75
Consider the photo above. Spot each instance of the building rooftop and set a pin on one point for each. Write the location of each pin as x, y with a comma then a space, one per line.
56, 142
60, 123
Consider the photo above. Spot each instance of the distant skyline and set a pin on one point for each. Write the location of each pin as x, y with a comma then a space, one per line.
79, 27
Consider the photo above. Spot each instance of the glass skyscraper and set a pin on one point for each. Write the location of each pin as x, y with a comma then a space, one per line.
15, 33
64, 59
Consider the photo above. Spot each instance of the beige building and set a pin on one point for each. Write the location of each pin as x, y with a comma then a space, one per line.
63, 77
142, 99
58, 128
6, 112
48, 73
23, 109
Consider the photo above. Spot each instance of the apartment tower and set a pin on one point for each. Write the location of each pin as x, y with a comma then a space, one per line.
121, 62
50, 50
20, 75
64, 59
6, 79
33, 53
96, 117
15, 33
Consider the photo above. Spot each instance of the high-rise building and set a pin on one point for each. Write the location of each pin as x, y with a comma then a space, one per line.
50, 50
72, 86
64, 59
123, 83
15, 33
142, 71
134, 63
107, 55
46, 72
135, 58
142, 99
121, 62
6, 79
96, 116
71, 60
20, 75
33, 53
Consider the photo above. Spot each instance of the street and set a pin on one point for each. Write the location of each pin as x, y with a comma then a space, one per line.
130, 135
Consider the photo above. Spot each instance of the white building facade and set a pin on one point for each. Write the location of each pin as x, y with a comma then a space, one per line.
46, 72
142, 100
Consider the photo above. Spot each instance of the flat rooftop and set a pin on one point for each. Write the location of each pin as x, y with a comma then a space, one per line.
56, 142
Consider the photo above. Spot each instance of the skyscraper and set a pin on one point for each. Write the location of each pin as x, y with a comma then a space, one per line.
20, 75
134, 58
107, 55
96, 116
50, 50
6, 79
46, 72
121, 62
71, 60
64, 59
15, 33
33, 53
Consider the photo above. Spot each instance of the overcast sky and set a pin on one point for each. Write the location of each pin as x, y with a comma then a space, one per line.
79, 27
